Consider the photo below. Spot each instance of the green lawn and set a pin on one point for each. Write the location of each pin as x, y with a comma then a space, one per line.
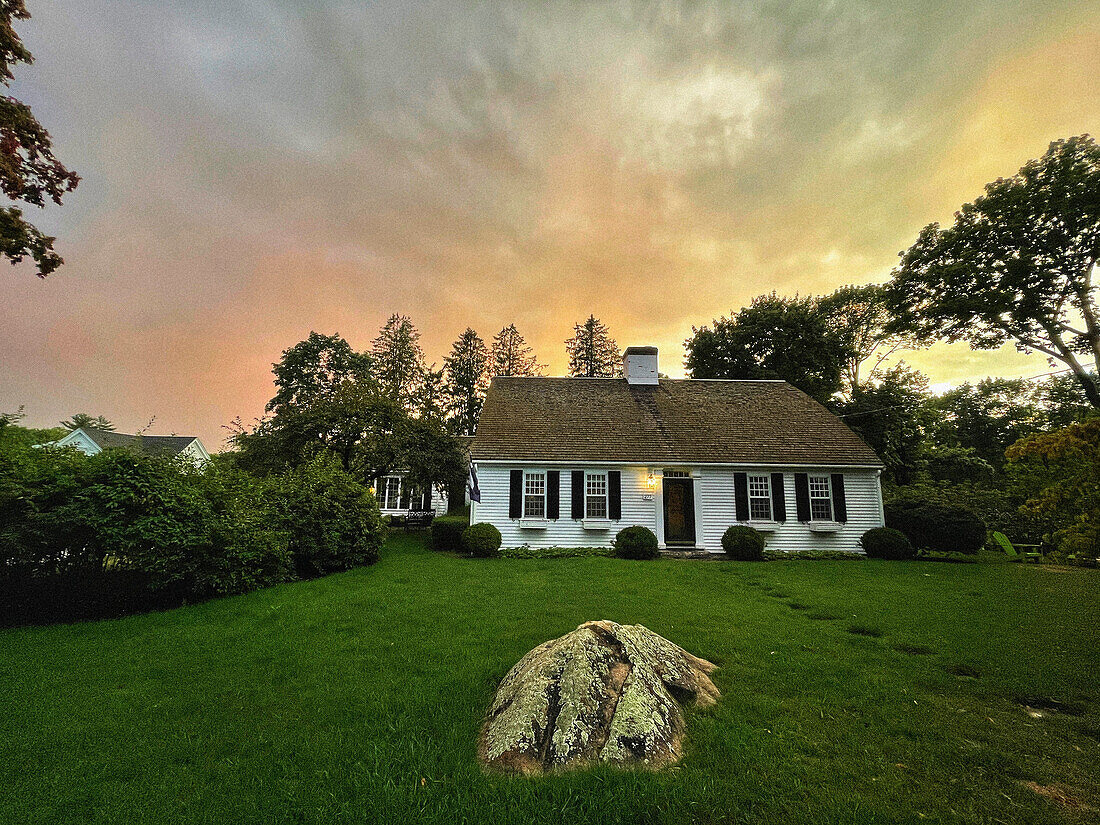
358, 698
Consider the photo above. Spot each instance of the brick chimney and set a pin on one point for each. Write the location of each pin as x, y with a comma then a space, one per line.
640, 365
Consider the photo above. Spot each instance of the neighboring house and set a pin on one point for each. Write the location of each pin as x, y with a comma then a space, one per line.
571, 461
396, 497
90, 441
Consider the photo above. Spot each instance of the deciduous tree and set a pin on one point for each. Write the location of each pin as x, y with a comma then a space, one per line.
1018, 264
774, 337
860, 318
29, 170
314, 368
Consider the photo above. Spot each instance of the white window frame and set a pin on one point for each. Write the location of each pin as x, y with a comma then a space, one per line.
534, 476
597, 477
766, 497
384, 499
824, 499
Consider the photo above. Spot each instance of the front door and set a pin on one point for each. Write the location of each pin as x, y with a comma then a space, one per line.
679, 511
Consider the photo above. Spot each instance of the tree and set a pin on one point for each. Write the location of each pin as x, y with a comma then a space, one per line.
369, 432
860, 316
467, 379
314, 368
431, 397
592, 351
79, 420
1059, 473
398, 359
1064, 401
1017, 265
987, 417
512, 356
774, 337
29, 171
891, 417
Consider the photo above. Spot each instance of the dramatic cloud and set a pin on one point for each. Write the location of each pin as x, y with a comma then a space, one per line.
256, 170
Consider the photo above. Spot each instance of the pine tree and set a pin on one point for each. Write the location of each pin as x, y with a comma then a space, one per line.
398, 360
467, 379
431, 399
511, 354
592, 351
97, 422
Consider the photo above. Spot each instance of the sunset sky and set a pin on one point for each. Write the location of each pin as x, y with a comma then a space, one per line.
253, 170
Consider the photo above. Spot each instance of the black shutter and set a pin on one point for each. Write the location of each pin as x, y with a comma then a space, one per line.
779, 498
741, 495
553, 493
515, 494
802, 495
577, 505
840, 504
615, 495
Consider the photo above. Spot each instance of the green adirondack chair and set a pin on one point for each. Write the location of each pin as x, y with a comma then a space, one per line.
1025, 553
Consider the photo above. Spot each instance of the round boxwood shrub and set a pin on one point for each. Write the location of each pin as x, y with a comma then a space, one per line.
636, 542
743, 543
887, 543
939, 527
447, 533
481, 540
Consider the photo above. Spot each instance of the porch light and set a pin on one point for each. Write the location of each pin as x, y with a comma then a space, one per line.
651, 481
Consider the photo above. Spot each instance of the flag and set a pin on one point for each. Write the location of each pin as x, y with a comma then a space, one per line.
471, 484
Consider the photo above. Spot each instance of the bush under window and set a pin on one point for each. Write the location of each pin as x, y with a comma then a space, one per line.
743, 543
636, 542
481, 540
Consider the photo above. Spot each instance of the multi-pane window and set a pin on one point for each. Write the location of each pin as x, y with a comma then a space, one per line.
821, 499
595, 495
389, 492
760, 498
534, 495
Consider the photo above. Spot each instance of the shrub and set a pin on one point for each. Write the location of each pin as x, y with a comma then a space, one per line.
743, 543
556, 552
939, 527
481, 540
636, 542
887, 543
331, 519
447, 532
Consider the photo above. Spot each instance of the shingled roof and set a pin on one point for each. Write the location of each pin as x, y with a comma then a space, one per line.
157, 444
676, 421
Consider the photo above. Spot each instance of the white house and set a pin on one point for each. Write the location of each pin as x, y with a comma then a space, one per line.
90, 441
571, 461
396, 497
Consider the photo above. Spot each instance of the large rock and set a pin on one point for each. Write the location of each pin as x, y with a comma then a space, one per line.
605, 692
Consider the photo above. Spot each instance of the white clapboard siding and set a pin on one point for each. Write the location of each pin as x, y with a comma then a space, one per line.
715, 509
861, 492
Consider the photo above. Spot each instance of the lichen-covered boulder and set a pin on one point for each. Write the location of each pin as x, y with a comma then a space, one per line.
605, 692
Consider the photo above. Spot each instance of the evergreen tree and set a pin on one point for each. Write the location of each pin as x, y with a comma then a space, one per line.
592, 351
467, 379
79, 420
398, 360
431, 399
511, 354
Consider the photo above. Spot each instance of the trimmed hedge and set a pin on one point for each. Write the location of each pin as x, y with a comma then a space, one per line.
943, 528
887, 543
744, 543
636, 542
447, 533
481, 540
556, 552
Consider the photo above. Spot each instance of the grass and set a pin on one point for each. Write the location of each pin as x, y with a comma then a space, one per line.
358, 697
